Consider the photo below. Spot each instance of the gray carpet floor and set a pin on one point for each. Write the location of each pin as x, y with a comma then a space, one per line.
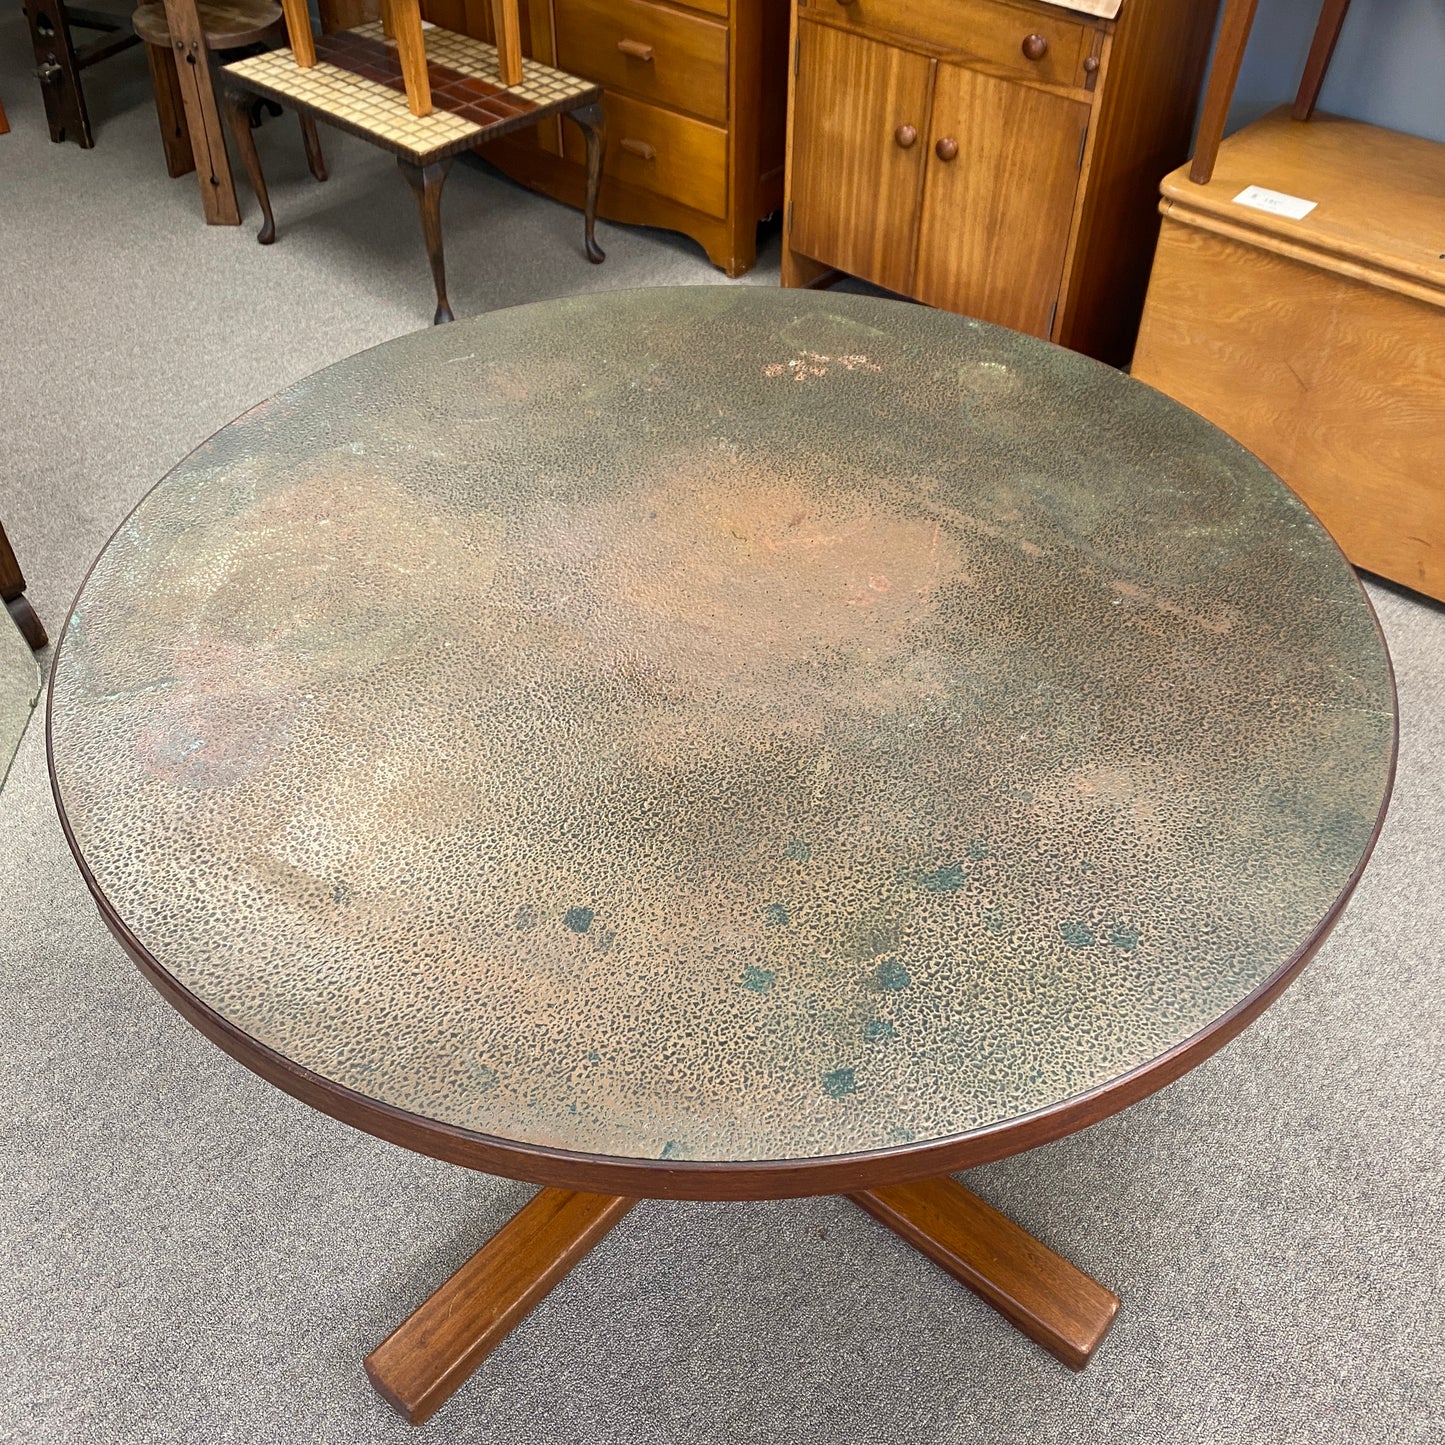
190, 1255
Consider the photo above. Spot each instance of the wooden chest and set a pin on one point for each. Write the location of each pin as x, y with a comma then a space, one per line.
1318, 342
695, 98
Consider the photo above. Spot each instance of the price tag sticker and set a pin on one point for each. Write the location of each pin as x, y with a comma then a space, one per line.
1275, 202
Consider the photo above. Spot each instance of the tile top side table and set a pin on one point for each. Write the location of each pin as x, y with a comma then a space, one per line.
357, 82
721, 743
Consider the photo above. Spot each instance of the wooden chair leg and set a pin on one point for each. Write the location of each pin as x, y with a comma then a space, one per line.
314, 159
1223, 74
239, 117
404, 17
58, 71
507, 26
1327, 32
591, 121
298, 32
426, 184
170, 111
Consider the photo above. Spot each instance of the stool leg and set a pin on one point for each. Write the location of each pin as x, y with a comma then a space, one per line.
589, 119
58, 70
238, 116
312, 141
426, 184
170, 111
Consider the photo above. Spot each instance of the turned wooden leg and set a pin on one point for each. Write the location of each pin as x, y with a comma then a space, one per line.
170, 111
1036, 1290
314, 159
590, 120
1327, 32
12, 593
1234, 31
423, 1362
239, 117
426, 183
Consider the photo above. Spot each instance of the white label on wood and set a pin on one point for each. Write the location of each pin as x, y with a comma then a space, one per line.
1275, 202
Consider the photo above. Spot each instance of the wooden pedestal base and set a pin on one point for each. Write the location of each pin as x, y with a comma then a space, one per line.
422, 1363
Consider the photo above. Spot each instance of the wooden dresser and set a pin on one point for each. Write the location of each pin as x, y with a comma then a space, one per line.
695, 97
999, 158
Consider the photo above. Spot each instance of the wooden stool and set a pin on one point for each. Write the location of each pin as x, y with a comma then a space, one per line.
356, 80
225, 25
58, 62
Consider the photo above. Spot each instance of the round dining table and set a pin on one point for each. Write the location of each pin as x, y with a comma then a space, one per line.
721, 743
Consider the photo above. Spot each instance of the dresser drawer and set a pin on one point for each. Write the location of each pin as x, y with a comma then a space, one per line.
986, 29
673, 156
649, 51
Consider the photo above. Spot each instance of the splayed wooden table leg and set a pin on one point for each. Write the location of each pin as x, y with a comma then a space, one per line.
422, 1363
1039, 1292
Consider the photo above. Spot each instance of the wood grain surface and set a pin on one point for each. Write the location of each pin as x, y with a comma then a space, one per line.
688, 65
427, 1358
855, 198
990, 30
995, 221
1335, 383
1039, 1292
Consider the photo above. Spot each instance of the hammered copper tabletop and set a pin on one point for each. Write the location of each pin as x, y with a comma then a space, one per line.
721, 725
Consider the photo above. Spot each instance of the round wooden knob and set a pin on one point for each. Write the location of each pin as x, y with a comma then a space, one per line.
1035, 47
905, 135
1091, 64
946, 148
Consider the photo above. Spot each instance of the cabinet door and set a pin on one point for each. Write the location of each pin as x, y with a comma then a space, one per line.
856, 174
996, 212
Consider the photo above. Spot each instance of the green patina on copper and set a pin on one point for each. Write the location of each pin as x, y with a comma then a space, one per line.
580, 725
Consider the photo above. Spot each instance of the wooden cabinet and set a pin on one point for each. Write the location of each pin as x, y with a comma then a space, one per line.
994, 157
695, 97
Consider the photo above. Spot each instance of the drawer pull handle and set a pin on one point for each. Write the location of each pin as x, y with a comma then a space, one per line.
946, 148
639, 148
1035, 47
636, 49
1091, 64
905, 135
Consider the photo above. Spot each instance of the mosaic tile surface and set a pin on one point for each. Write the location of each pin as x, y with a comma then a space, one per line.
357, 82
721, 724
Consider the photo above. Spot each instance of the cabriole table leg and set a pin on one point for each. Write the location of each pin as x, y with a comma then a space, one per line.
426, 183
427, 1358
1037, 1291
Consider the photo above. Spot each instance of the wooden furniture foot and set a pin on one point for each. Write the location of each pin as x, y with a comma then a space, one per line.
58, 62
426, 183
12, 593
591, 121
170, 110
422, 1363
239, 117
1039, 1292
